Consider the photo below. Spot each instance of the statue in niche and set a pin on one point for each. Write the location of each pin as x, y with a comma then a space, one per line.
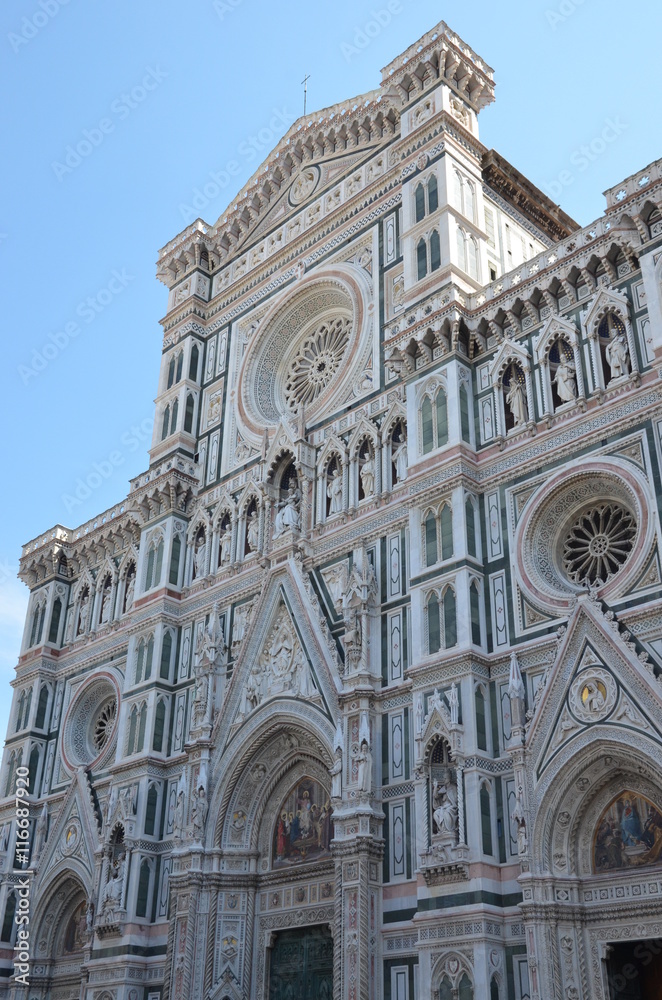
336, 775
199, 556
40, 833
519, 818
252, 531
444, 805
241, 618
335, 578
199, 812
178, 818
334, 492
364, 760
287, 516
565, 378
89, 917
400, 458
251, 694
111, 898
210, 647
105, 605
618, 356
420, 714
82, 613
225, 546
454, 704
516, 399
367, 474
353, 630
130, 591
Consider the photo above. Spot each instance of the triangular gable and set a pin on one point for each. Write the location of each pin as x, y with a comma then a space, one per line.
74, 833
285, 655
604, 300
597, 679
510, 350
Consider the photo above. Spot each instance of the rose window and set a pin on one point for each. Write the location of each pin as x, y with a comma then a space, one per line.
316, 362
598, 543
103, 724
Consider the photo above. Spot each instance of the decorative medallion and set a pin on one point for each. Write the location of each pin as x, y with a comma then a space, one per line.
91, 722
304, 185
71, 837
598, 543
593, 695
317, 362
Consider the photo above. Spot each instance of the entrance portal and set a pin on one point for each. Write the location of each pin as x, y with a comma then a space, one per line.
634, 971
301, 966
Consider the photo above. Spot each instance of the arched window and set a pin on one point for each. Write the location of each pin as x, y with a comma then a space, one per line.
430, 539
446, 532
159, 725
461, 249
420, 202
486, 819
175, 413
19, 714
481, 720
450, 618
42, 705
14, 761
193, 366
143, 889
441, 409
466, 990
37, 623
458, 193
494, 989
433, 194
469, 201
154, 564
149, 657
166, 423
173, 576
427, 426
33, 768
434, 633
470, 515
142, 722
171, 373
150, 810
465, 426
8, 921
56, 615
180, 362
472, 257
421, 259
140, 661
435, 251
166, 654
474, 605
445, 989
188, 415
133, 723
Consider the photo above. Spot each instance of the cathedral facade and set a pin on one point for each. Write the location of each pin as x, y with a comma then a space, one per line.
356, 695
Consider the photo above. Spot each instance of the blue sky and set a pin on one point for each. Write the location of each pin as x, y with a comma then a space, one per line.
163, 94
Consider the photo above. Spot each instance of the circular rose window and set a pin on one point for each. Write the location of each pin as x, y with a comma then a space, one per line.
598, 544
90, 722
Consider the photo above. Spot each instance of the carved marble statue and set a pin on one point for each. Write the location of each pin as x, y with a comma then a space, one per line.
287, 516
225, 547
82, 614
364, 759
111, 898
400, 459
105, 607
454, 704
178, 818
40, 833
334, 492
130, 591
618, 356
252, 531
444, 805
519, 818
89, 917
420, 714
367, 473
336, 775
516, 400
565, 379
200, 558
199, 812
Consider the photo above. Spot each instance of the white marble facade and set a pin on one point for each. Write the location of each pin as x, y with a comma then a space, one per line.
357, 694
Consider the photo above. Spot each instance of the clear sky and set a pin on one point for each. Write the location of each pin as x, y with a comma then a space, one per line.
159, 95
